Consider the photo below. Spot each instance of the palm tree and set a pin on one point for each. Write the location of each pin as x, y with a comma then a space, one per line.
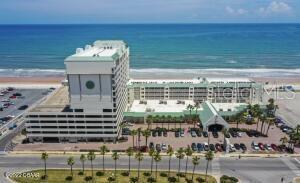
133, 133
71, 162
197, 106
209, 156
180, 121
270, 122
115, 156
263, 119
82, 159
129, 153
103, 151
91, 156
139, 157
44, 157
196, 161
170, 153
190, 108
188, 152
149, 121
146, 133
151, 154
179, 155
139, 132
157, 158
163, 119
297, 128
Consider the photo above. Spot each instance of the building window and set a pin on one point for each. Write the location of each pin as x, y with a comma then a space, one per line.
107, 110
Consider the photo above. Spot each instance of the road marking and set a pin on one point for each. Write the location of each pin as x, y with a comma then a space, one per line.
292, 166
297, 160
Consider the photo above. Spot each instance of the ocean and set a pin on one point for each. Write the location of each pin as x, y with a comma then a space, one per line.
254, 50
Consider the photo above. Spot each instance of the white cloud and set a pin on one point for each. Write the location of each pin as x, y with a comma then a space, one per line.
239, 11
276, 8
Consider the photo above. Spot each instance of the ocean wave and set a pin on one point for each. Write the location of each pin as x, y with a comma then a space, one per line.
259, 72
31, 72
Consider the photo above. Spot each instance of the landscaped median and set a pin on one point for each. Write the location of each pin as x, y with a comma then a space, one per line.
122, 176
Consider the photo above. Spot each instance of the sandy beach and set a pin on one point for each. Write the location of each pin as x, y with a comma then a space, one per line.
30, 82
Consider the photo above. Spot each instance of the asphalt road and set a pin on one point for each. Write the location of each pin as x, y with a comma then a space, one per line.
252, 170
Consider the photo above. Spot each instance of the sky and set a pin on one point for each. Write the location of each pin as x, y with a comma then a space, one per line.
148, 11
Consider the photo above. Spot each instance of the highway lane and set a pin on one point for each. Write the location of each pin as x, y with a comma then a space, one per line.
257, 170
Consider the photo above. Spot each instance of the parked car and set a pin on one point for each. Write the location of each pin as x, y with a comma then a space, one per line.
205, 134
154, 133
243, 146
261, 146
12, 97
151, 145
237, 146
255, 146
239, 134
181, 133
200, 147
177, 134
193, 133
231, 148
212, 147
158, 148
198, 133
206, 148
159, 133
274, 147
194, 146
215, 134
23, 107
268, 147
218, 147
163, 147
165, 133
17, 94
233, 134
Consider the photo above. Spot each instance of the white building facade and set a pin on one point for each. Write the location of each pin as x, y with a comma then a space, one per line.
97, 97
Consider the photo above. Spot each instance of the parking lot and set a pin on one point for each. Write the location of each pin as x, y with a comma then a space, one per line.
14, 102
274, 136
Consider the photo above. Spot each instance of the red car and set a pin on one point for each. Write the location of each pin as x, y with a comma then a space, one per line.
274, 147
218, 147
261, 146
12, 97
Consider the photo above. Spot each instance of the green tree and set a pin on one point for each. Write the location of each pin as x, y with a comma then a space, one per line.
44, 157
149, 121
71, 162
180, 155
151, 154
170, 153
139, 158
263, 119
146, 133
133, 133
157, 158
196, 161
82, 159
284, 140
91, 157
129, 153
209, 156
103, 151
115, 156
270, 122
188, 152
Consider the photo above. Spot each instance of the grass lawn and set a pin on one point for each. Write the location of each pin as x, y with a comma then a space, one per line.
59, 176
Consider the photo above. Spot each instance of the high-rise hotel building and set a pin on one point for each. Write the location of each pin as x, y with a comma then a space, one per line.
91, 106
